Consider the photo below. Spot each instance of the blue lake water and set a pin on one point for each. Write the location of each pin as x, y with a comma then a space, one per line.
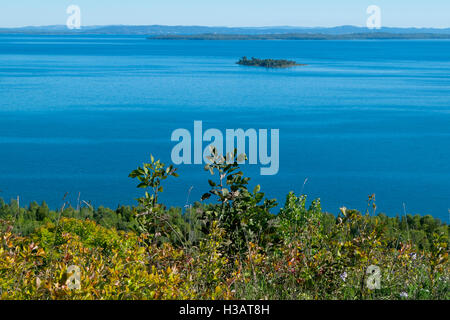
78, 113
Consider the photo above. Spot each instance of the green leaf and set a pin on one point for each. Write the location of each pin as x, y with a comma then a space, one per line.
206, 196
259, 197
211, 183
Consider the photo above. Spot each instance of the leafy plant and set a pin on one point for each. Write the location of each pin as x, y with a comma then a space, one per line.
151, 215
244, 215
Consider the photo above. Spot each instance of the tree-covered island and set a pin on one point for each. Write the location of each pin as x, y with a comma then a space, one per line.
268, 63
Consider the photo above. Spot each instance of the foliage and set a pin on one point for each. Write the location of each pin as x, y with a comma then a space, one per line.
243, 215
267, 63
151, 215
234, 248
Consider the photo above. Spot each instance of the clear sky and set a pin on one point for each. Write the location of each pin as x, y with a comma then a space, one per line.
395, 13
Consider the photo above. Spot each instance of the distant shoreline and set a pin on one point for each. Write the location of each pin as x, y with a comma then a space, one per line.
306, 36
193, 32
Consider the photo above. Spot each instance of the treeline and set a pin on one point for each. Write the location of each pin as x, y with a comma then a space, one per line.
417, 228
305, 36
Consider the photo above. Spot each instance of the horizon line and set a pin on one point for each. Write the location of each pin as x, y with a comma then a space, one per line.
229, 27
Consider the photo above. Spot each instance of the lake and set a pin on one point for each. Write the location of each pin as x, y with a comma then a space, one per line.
78, 113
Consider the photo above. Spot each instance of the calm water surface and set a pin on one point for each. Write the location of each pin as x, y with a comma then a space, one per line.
77, 114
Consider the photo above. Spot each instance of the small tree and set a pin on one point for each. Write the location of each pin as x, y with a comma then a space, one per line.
242, 214
151, 215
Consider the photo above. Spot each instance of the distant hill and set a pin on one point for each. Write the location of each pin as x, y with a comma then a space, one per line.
201, 30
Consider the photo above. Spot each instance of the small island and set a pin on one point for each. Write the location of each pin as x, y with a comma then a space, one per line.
268, 63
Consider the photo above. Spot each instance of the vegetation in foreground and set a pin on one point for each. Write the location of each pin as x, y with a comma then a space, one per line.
232, 249
267, 63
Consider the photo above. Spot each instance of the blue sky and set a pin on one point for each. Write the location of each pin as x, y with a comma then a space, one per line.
396, 13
